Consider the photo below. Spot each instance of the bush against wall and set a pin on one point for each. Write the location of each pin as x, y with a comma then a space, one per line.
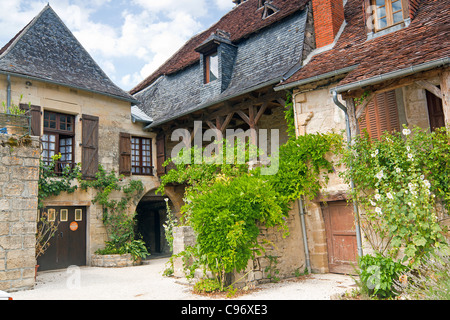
399, 180
226, 204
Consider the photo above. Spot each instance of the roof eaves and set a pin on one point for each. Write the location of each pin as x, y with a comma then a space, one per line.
442, 62
130, 99
213, 102
322, 76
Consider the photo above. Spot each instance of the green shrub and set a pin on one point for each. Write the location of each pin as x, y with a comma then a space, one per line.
207, 286
377, 275
430, 281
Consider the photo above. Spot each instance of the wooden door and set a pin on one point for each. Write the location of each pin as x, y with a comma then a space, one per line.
341, 237
435, 111
68, 246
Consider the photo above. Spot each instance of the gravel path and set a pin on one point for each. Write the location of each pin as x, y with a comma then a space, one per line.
147, 283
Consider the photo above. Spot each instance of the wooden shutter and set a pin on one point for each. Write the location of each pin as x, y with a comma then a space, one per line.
435, 111
160, 154
381, 115
125, 154
89, 157
35, 113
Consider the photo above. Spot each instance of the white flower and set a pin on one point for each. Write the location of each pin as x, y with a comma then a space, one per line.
408, 148
378, 210
389, 195
406, 132
166, 200
375, 153
373, 203
380, 175
377, 197
398, 170
427, 183
410, 156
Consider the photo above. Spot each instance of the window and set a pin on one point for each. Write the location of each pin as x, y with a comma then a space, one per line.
78, 215
59, 131
381, 115
211, 67
387, 13
141, 156
64, 215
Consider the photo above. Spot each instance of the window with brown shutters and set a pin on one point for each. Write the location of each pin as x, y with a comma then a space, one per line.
89, 155
160, 154
125, 154
381, 115
35, 113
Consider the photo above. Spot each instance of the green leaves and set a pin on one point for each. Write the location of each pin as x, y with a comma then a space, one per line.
397, 181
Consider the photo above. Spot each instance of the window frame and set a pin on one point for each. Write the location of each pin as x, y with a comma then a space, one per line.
207, 66
60, 135
389, 14
140, 169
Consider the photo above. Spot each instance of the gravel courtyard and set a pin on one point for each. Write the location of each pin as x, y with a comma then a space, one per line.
147, 283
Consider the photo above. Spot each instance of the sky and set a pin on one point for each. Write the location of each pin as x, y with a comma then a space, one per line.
128, 39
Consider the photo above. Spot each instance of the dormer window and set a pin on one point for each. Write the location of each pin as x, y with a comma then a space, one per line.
387, 13
211, 67
269, 10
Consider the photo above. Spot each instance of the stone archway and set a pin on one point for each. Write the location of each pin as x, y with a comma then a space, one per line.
151, 214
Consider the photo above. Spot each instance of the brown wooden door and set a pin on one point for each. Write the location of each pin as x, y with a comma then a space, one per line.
341, 237
68, 246
435, 111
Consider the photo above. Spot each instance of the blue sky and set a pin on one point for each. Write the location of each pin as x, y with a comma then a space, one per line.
128, 39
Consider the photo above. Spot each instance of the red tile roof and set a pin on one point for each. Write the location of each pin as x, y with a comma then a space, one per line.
425, 39
240, 22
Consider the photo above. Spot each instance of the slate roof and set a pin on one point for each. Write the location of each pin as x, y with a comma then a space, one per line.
266, 50
242, 21
47, 50
426, 39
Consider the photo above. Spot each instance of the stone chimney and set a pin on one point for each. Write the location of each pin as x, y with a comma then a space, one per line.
328, 19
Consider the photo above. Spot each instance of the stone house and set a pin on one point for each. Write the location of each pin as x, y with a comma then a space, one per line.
394, 53
75, 110
223, 79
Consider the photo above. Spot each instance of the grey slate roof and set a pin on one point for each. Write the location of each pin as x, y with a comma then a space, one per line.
261, 59
47, 50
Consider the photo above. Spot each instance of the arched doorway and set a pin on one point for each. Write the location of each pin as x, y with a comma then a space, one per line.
151, 214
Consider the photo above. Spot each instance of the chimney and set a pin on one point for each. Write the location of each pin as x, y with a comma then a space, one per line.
328, 19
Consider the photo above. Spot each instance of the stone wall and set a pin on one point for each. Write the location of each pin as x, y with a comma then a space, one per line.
19, 174
284, 257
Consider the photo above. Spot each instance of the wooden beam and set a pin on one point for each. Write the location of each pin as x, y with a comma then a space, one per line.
352, 116
226, 122
445, 89
430, 87
244, 116
261, 112
362, 107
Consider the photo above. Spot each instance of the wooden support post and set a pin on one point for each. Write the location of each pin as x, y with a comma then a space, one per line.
445, 89
352, 116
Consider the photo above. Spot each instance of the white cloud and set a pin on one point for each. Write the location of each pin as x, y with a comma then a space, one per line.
224, 4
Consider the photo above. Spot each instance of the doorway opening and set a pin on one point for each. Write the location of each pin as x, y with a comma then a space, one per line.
151, 215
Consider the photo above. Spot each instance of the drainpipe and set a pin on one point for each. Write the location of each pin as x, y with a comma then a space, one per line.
300, 201
352, 184
8, 94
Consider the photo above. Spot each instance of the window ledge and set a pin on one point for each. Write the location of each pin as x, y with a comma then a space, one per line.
404, 24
